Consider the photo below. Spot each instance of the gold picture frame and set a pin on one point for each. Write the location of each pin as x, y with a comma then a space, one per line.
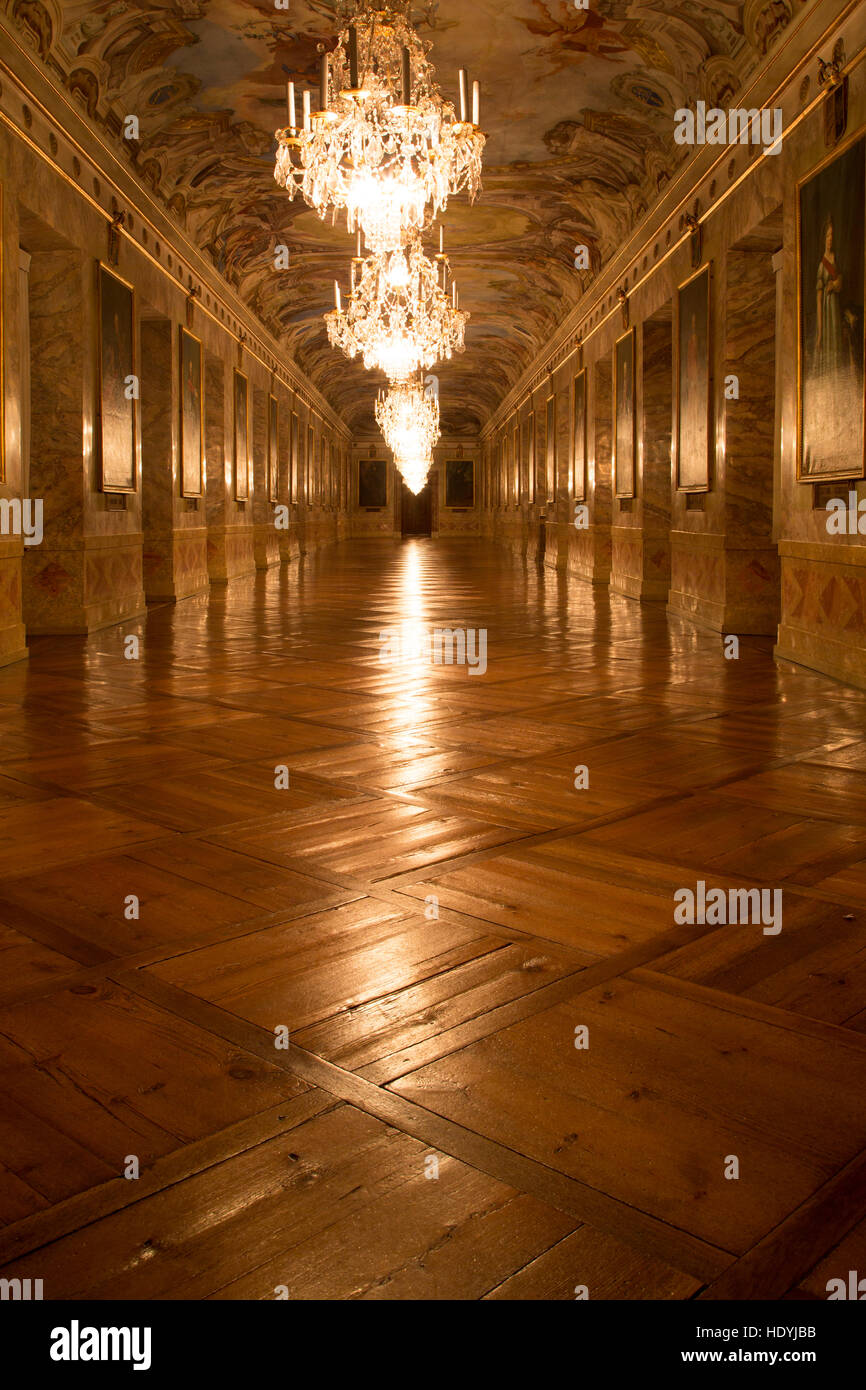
241, 435
529, 455
372, 484
577, 481
273, 448
191, 429
294, 458
503, 473
460, 483
2, 357
116, 362
694, 308
843, 207
550, 447
624, 415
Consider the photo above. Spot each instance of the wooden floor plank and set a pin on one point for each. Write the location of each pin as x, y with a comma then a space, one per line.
431, 907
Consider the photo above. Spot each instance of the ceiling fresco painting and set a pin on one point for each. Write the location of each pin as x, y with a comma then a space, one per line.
577, 104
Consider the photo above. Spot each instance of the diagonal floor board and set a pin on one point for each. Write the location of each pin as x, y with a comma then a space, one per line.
430, 908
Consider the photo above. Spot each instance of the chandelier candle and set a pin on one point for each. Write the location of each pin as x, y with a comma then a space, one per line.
476, 103
407, 78
462, 80
353, 57
307, 122
293, 121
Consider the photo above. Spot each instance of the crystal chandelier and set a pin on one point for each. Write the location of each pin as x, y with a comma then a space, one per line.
408, 419
400, 317
414, 471
384, 144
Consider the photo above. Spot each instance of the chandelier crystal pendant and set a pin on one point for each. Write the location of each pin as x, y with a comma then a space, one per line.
400, 317
384, 144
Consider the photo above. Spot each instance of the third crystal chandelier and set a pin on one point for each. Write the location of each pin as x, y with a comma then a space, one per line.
384, 144
409, 420
403, 312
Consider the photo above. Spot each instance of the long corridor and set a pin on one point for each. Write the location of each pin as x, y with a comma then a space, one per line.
332, 970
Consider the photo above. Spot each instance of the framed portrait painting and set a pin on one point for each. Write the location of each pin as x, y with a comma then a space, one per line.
273, 448
624, 415
550, 448
529, 457
372, 483
294, 458
460, 483
191, 415
694, 436
118, 414
2, 367
578, 436
503, 473
831, 224
241, 437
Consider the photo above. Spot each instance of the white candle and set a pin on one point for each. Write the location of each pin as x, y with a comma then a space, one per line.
441, 239
358, 252
476, 103
306, 111
292, 116
337, 299
454, 294
463, 94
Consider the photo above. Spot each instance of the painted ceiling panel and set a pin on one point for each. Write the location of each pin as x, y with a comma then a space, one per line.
578, 106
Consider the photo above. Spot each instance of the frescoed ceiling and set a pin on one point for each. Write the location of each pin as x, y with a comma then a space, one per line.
577, 103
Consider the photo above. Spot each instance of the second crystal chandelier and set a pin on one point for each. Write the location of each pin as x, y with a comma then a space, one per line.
400, 316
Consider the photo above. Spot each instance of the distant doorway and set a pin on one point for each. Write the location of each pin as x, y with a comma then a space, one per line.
416, 513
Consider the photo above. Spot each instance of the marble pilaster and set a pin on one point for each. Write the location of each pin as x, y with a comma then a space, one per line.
230, 552
175, 536
266, 544
640, 534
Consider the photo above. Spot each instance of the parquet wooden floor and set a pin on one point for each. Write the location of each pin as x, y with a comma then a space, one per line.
309, 940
